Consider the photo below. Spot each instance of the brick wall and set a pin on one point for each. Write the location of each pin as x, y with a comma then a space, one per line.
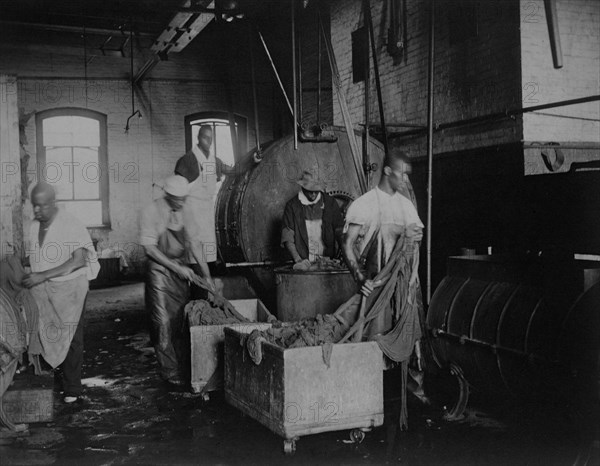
50, 71
578, 23
476, 77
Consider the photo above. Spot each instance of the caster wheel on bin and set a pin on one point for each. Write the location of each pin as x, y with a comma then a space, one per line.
206, 396
289, 447
357, 435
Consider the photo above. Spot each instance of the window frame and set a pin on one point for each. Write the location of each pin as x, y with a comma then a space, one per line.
240, 121
102, 153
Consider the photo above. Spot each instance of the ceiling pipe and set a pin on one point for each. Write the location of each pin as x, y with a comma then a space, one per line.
294, 74
500, 115
553, 33
74, 29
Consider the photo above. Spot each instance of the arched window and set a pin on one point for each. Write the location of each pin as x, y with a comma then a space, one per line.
72, 157
222, 135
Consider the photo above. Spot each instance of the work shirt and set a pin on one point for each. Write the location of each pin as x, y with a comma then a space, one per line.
300, 222
376, 208
199, 207
64, 235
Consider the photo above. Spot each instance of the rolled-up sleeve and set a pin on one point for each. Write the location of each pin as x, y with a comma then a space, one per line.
288, 225
148, 226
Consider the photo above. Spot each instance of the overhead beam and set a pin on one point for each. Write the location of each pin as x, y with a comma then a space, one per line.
73, 29
182, 29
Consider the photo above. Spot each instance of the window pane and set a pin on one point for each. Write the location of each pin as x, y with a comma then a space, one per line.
57, 171
71, 131
222, 143
86, 174
88, 212
224, 146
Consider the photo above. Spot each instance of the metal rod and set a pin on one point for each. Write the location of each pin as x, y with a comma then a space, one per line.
75, 29
131, 60
367, 65
399, 125
339, 92
376, 70
258, 264
85, 71
491, 346
320, 52
254, 98
430, 70
262, 40
553, 33
499, 115
294, 71
300, 89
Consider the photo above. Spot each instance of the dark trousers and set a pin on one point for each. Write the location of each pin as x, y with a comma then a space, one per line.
166, 296
72, 365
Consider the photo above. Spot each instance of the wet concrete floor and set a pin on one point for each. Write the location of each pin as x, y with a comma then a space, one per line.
128, 416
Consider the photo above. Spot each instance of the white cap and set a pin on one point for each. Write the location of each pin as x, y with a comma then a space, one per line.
177, 185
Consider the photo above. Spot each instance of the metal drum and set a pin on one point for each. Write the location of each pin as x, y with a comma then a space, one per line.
306, 294
505, 325
250, 206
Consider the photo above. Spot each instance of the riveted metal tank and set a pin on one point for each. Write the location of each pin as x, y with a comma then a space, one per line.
250, 207
517, 326
303, 294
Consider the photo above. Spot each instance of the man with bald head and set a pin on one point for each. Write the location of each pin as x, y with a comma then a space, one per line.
62, 260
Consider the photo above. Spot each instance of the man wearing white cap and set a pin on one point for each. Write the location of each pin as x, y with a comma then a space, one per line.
166, 242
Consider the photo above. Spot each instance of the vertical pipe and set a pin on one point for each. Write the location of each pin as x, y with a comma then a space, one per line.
367, 65
131, 62
430, 139
319, 47
300, 91
254, 98
85, 63
553, 33
295, 111
376, 72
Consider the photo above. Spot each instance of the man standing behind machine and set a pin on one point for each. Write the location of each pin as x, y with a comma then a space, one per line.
203, 169
312, 222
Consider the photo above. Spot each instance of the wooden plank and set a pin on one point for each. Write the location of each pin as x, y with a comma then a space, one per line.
10, 165
294, 393
30, 399
207, 344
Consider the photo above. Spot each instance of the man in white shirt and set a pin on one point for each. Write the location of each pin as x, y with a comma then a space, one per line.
382, 235
377, 219
62, 260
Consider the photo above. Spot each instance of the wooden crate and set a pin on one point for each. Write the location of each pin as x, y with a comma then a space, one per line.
207, 344
30, 399
293, 392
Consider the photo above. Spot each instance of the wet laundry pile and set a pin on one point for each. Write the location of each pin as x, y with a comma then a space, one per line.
322, 330
212, 312
326, 264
